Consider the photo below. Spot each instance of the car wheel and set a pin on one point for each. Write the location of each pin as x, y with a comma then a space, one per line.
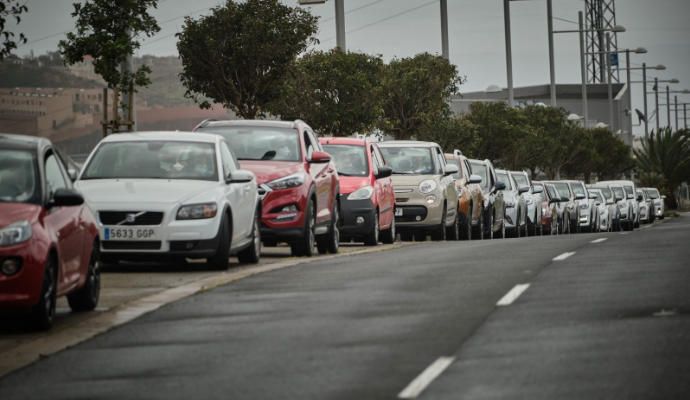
453, 231
466, 227
219, 261
43, 313
306, 245
86, 298
252, 254
406, 236
478, 233
372, 238
388, 236
330, 242
439, 234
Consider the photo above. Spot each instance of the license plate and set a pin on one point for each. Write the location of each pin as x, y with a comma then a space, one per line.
398, 212
130, 233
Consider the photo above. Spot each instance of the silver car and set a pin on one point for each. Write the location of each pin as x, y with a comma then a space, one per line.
613, 210
657, 200
631, 218
646, 207
603, 223
533, 199
516, 207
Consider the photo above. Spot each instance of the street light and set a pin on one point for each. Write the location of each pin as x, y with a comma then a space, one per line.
644, 68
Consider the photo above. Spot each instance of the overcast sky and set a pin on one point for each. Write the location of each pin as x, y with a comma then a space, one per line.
401, 28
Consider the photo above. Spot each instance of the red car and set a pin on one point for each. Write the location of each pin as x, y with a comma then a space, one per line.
296, 178
48, 237
367, 199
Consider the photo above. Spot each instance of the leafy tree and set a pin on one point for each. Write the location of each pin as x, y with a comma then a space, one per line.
10, 10
451, 133
337, 93
109, 31
240, 53
415, 91
665, 154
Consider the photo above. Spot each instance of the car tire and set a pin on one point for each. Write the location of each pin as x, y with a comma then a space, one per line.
466, 226
330, 242
388, 236
219, 261
406, 236
439, 233
372, 239
478, 233
86, 297
252, 254
306, 245
43, 313
453, 231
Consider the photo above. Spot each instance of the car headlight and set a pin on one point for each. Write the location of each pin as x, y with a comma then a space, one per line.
427, 186
16, 233
362, 193
197, 211
287, 182
584, 206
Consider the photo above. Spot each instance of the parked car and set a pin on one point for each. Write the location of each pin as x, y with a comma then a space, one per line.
586, 211
471, 196
630, 211
367, 199
567, 208
604, 221
426, 198
516, 208
171, 196
297, 180
658, 201
48, 237
532, 200
548, 202
613, 209
493, 209
645, 206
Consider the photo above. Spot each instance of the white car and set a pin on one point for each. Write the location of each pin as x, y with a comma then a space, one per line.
604, 219
657, 200
169, 196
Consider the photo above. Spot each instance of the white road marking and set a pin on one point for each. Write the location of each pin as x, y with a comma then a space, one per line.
512, 295
427, 376
599, 240
624, 233
563, 256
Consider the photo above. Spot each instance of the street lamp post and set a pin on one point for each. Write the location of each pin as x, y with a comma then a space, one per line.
583, 67
644, 91
608, 79
656, 103
668, 106
509, 52
675, 98
552, 66
340, 24
444, 29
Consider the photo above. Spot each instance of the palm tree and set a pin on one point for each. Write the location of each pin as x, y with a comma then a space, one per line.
665, 156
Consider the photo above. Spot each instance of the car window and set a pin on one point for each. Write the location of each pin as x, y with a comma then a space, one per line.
598, 196
19, 179
563, 189
618, 191
628, 190
229, 163
652, 193
410, 160
153, 160
457, 164
578, 188
309, 145
378, 158
350, 160
479, 168
440, 159
505, 178
259, 143
607, 193
55, 179
520, 179
537, 185
552, 192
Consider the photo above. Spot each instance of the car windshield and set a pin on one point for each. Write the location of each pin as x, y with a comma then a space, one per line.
628, 190
350, 160
481, 170
607, 193
153, 160
578, 188
19, 182
503, 177
552, 192
455, 162
409, 160
598, 196
618, 192
563, 189
260, 143
520, 179
652, 193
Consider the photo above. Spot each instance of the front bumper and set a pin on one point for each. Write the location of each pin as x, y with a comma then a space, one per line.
357, 217
417, 213
22, 290
277, 224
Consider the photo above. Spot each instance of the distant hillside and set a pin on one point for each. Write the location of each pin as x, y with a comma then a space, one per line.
15, 74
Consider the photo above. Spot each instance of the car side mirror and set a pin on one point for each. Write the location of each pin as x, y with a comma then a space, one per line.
475, 179
579, 196
73, 174
500, 185
523, 189
66, 198
239, 176
537, 190
319, 157
384, 172
451, 169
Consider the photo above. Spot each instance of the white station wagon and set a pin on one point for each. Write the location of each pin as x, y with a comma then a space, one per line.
169, 196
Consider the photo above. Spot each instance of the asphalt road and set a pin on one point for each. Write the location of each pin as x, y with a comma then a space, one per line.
609, 321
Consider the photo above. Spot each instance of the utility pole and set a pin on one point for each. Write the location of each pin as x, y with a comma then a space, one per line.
340, 24
644, 87
509, 52
676, 110
668, 106
444, 30
583, 67
552, 62
656, 103
608, 80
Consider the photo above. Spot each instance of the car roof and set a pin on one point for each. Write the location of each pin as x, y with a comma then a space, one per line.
252, 122
162, 136
407, 143
617, 182
22, 142
344, 141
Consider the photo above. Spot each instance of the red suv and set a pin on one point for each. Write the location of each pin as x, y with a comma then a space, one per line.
48, 237
367, 199
297, 180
